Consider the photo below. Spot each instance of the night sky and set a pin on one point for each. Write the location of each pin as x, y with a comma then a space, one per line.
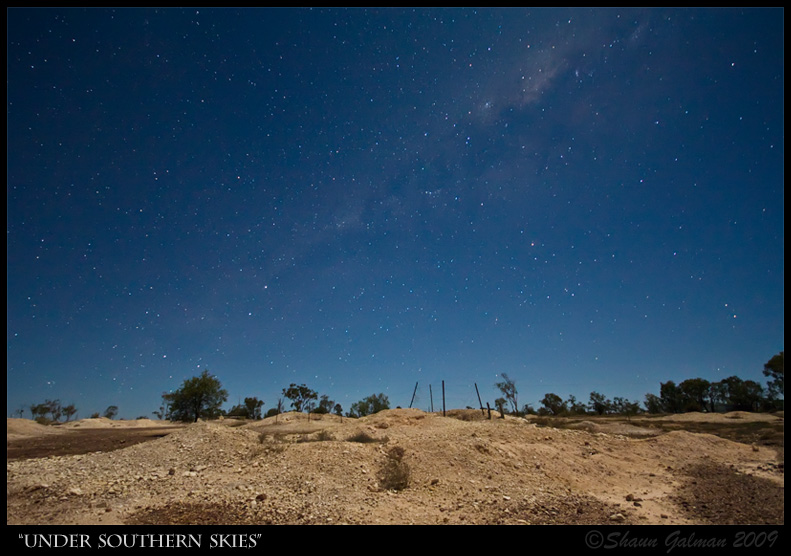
362, 200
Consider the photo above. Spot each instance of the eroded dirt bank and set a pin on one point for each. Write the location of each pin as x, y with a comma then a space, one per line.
456, 470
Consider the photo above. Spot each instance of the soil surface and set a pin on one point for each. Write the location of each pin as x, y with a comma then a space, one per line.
83, 442
399, 467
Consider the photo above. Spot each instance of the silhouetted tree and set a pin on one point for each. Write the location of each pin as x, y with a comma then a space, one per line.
500, 404
671, 396
527, 409
695, 392
250, 409
653, 403
69, 411
370, 405
623, 406
300, 396
49, 407
741, 395
553, 404
575, 407
325, 405
718, 395
774, 370
253, 406
199, 397
275, 411
599, 404
508, 389
163, 411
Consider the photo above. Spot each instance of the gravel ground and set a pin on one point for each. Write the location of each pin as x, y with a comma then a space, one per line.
396, 467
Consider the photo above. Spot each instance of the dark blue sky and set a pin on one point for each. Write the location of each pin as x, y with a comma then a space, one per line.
360, 200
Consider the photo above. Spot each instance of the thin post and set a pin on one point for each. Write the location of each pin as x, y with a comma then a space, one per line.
431, 396
443, 398
479, 397
413, 396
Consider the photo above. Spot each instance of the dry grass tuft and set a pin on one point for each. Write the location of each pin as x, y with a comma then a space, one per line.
395, 473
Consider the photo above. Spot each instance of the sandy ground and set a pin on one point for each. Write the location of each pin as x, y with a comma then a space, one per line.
22, 428
396, 467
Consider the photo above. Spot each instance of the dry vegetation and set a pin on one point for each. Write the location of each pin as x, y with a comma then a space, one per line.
400, 467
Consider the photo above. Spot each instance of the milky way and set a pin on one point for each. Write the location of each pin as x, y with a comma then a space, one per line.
362, 200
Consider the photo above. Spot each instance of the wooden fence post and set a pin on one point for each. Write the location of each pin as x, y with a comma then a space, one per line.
413, 396
479, 397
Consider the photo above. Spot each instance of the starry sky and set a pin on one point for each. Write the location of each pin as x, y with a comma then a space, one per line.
365, 200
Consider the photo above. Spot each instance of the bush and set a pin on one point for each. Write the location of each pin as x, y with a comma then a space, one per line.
370, 405
269, 445
362, 437
395, 473
321, 436
324, 436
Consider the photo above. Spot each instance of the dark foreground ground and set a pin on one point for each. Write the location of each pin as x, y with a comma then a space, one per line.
83, 441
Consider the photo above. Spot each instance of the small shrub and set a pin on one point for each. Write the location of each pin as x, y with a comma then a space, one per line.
395, 473
270, 444
267, 437
362, 437
321, 436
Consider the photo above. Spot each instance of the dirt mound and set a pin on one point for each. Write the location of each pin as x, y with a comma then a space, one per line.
625, 429
723, 417
105, 423
16, 428
456, 470
25, 427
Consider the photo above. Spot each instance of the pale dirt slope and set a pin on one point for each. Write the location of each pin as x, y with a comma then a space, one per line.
470, 471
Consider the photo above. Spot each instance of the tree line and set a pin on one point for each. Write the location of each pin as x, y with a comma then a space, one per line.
202, 397
52, 411
694, 394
